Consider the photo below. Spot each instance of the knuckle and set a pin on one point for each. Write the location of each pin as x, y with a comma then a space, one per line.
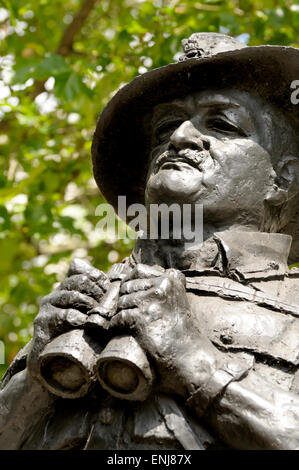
98, 276
103, 323
45, 300
165, 284
113, 322
123, 301
72, 265
78, 265
125, 287
53, 297
83, 278
160, 292
74, 318
134, 286
153, 310
37, 321
177, 276
139, 270
102, 275
117, 320
131, 285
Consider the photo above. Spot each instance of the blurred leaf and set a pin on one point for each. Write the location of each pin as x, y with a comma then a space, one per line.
68, 86
51, 65
25, 69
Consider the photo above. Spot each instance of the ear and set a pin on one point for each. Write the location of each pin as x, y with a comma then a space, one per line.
288, 170
286, 184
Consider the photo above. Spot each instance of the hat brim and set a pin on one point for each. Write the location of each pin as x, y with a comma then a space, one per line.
121, 142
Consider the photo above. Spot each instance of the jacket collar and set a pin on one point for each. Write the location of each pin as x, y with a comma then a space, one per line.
239, 254
252, 255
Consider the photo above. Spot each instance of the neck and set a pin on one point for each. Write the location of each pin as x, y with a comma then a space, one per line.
181, 253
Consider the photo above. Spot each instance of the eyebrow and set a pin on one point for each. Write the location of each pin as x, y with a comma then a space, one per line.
160, 115
181, 107
220, 104
169, 107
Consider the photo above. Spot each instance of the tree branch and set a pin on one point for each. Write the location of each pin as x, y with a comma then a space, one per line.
67, 40
66, 43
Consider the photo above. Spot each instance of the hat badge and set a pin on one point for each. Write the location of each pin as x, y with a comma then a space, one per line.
202, 45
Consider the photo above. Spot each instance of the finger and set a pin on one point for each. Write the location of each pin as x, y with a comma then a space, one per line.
125, 318
83, 284
118, 271
134, 299
143, 271
97, 321
135, 285
80, 266
53, 319
176, 275
68, 318
69, 299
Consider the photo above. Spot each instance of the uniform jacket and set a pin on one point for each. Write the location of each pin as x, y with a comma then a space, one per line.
245, 300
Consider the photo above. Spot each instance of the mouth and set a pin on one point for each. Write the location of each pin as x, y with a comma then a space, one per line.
183, 159
177, 163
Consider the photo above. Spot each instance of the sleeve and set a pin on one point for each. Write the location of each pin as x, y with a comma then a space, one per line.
17, 365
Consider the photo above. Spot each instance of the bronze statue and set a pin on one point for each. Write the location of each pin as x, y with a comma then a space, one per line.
180, 346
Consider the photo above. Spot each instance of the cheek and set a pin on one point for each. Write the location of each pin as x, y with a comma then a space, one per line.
239, 161
243, 174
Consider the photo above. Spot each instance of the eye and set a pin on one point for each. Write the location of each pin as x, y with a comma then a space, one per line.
165, 129
224, 126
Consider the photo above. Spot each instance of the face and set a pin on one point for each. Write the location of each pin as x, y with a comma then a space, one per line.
212, 148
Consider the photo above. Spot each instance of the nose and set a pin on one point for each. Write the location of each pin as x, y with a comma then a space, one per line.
187, 136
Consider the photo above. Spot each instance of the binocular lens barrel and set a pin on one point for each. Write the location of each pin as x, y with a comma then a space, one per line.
72, 362
123, 369
67, 364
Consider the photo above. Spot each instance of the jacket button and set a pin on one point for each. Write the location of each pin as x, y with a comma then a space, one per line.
226, 338
106, 415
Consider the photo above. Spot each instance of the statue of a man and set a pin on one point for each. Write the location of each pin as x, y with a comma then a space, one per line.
217, 320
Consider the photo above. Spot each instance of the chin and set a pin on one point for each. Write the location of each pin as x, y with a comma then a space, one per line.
171, 186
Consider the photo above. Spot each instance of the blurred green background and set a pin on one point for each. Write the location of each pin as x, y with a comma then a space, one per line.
61, 62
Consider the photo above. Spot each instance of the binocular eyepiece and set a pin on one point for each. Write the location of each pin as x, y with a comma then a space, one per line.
72, 362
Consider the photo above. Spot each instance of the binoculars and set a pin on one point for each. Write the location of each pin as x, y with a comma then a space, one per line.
74, 361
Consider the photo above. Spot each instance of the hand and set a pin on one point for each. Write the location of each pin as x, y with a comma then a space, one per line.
66, 307
153, 306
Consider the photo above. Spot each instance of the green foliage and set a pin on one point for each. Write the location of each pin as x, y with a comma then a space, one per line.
47, 195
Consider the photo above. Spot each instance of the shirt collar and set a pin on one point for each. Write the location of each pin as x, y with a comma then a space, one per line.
239, 254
